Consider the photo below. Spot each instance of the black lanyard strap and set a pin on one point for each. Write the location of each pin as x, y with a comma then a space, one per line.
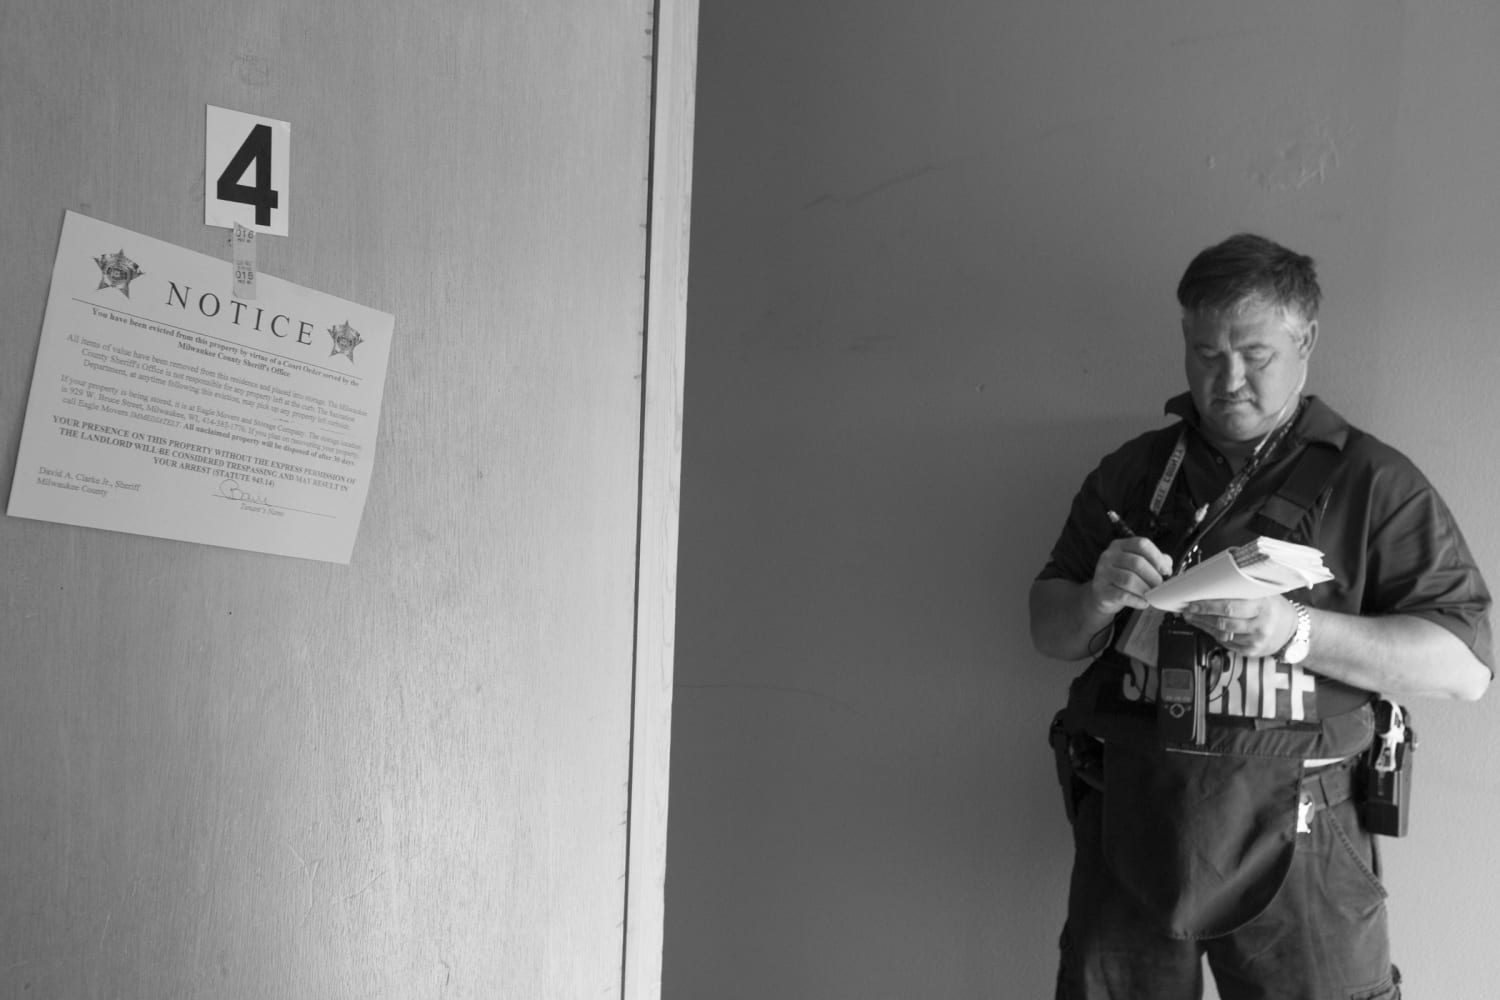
1210, 515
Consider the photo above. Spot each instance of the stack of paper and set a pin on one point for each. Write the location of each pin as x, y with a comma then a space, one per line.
1259, 568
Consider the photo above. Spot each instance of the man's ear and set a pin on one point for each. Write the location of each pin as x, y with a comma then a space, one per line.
1309, 338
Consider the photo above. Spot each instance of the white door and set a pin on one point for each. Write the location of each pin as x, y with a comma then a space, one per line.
232, 775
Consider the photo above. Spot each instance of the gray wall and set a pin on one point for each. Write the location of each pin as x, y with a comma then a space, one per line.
934, 253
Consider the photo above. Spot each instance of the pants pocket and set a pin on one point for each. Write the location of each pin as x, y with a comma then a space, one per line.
1387, 989
1355, 849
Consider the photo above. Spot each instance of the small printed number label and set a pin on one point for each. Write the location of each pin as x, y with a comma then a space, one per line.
247, 166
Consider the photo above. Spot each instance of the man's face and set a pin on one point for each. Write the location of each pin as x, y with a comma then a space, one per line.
1245, 368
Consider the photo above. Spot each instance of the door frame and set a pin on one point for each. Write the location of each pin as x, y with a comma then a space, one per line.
674, 55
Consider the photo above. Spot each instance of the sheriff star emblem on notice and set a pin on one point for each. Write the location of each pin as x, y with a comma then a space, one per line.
345, 340
117, 271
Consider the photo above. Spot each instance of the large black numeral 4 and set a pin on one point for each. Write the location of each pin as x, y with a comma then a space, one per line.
257, 150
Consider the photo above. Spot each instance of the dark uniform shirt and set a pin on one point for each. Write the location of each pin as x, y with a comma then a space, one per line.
1387, 536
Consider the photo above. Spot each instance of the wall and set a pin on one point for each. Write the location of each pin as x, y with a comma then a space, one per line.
934, 254
234, 775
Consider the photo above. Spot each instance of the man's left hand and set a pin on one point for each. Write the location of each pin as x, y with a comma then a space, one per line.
1251, 628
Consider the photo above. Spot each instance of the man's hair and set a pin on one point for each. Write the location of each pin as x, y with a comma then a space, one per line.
1247, 269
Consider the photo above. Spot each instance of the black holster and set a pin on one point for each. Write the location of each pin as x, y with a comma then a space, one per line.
1383, 774
1080, 763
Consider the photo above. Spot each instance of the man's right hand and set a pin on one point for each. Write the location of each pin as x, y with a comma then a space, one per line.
1067, 616
1124, 573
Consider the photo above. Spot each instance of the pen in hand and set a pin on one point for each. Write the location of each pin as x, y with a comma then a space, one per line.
1122, 530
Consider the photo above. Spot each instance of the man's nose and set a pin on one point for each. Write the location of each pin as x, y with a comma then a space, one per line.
1231, 373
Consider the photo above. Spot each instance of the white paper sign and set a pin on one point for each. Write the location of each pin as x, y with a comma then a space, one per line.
162, 406
247, 171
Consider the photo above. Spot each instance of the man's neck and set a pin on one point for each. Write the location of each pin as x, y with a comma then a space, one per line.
1239, 453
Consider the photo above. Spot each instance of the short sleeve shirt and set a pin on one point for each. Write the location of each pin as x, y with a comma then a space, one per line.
1386, 535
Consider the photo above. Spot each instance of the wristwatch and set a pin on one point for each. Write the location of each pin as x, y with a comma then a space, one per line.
1295, 650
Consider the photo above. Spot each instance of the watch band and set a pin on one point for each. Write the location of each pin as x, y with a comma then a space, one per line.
1296, 648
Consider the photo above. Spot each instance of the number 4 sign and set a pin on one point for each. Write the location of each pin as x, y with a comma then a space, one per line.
246, 169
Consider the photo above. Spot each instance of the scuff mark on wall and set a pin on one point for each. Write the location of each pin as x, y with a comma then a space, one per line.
1306, 157
870, 192
774, 689
871, 343
1234, 34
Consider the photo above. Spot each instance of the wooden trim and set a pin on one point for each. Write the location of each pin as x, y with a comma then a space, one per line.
676, 44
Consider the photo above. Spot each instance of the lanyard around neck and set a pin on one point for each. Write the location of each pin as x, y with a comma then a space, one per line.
1210, 514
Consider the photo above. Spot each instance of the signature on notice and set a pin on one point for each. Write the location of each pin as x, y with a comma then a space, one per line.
230, 489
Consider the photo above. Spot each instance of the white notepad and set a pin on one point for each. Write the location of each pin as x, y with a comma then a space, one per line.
1259, 568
